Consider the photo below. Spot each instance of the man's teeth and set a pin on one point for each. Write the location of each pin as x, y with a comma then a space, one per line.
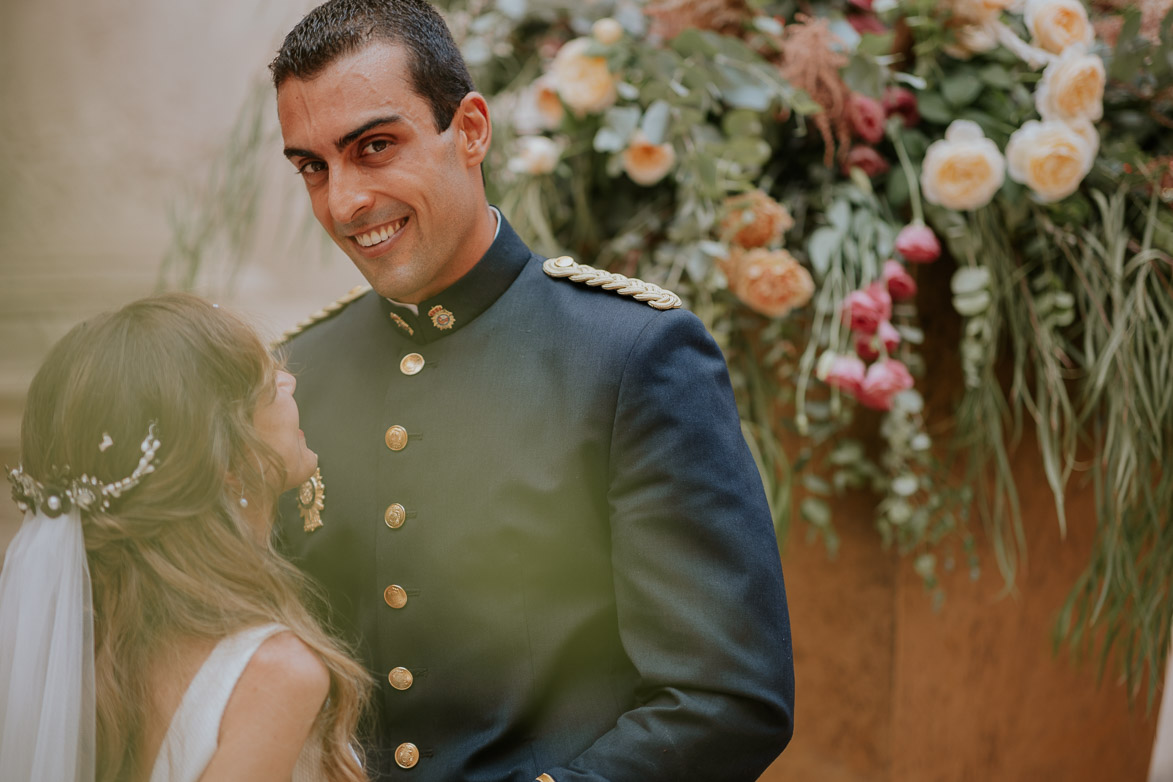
379, 235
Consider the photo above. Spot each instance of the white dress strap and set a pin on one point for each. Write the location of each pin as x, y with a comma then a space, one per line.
194, 732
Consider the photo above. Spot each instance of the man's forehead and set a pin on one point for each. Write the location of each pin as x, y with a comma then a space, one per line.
373, 81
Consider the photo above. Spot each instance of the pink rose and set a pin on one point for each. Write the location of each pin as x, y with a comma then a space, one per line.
867, 117
900, 283
884, 380
902, 101
918, 244
867, 345
865, 310
866, 159
846, 372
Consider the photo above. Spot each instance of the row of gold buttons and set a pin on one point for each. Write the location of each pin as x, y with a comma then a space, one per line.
406, 754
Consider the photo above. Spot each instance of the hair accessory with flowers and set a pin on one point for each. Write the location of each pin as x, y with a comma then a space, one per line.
60, 492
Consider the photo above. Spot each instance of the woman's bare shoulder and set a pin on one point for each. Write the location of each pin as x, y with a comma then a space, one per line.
271, 712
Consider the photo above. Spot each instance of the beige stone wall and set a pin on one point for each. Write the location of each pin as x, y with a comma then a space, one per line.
112, 112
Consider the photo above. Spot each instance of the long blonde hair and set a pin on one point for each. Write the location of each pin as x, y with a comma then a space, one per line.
174, 559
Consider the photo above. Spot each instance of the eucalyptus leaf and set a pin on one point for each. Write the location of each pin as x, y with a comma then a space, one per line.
816, 511
934, 108
821, 246
971, 304
655, 122
970, 279
960, 89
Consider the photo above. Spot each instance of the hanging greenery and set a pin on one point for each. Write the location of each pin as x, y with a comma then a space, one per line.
791, 170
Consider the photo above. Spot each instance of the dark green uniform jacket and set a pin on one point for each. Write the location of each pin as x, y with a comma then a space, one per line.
545, 534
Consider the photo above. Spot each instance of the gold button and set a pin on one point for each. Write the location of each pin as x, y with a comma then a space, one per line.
395, 595
411, 364
400, 678
407, 755
396, 438
395, 515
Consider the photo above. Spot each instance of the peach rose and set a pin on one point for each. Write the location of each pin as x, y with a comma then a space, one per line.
584, 82
1052, 158
647, 163
770, 282
535, 155
962, 170
1072, 87
754, 219
1057, 24
539, 107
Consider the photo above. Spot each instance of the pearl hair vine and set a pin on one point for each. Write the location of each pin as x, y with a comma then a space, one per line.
61, 492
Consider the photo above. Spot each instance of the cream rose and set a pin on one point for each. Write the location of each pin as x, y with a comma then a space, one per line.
962, 170
535, 155
1057, 24
539, 107
971, 39
1072, 87
607, 31
583, 81
770, 282
1052, 158
977, 11
647, 163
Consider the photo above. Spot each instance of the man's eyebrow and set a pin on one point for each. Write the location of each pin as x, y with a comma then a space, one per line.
342, 143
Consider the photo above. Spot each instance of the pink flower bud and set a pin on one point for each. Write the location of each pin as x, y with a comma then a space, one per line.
867, 117
884, 380
865, 310
867, 345
866, 159
898, 100
918, 244
899, 281
866, 24
846, 372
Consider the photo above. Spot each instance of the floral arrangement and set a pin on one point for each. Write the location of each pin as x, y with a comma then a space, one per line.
797, 172
912, 226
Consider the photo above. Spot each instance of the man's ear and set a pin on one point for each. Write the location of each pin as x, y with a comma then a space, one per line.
474, 131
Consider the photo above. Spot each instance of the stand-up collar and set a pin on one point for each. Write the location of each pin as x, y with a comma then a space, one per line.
460, 303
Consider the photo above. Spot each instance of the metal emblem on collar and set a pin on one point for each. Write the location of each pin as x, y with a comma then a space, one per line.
639, 290
441, 318
311, 501
401, 323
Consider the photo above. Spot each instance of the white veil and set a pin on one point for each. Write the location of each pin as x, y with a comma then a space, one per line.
47, 653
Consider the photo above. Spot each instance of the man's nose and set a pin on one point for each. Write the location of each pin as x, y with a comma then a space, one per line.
350, 194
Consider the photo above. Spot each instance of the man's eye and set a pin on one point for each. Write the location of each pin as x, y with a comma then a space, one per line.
312, 167
376, 146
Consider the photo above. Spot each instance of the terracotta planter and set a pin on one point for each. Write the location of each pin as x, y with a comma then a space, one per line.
890, 691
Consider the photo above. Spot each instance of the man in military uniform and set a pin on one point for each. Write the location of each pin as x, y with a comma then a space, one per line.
542, 528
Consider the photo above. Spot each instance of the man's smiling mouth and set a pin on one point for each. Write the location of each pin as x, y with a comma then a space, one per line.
381, 234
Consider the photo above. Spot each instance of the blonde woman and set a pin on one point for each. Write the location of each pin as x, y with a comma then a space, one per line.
155, 442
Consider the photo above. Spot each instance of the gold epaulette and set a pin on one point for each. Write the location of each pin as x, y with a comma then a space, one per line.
639, 290
327, 312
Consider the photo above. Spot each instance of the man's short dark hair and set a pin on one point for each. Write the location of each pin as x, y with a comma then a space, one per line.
340, 27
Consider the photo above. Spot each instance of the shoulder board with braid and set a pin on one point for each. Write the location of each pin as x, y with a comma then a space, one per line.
327, 312
651, 294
